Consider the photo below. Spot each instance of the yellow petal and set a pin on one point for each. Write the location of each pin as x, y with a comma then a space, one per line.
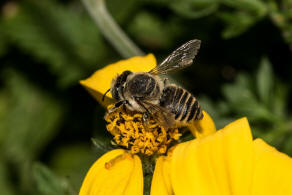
217, 164
161, 177
115, 173
100, 81
204, 127
272, 171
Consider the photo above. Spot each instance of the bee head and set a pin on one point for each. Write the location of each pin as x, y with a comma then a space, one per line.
118, 84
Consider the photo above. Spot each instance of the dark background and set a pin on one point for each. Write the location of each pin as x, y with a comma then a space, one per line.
47, 119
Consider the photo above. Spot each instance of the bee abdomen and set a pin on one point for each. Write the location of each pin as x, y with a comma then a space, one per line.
181, 103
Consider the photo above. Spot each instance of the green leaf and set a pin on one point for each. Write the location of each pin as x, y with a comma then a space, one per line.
265, 82
256, 7
31, 120
281, 15
102, 145
65, 40
279, 102
288, 145
242, 99
239, 90
245, 14
6, 186
4, 109
236, 23
73, 161
194, 8
217, 111
3, 43
48, 183
122, 15
163, 32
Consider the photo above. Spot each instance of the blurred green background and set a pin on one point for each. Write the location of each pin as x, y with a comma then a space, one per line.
47, 119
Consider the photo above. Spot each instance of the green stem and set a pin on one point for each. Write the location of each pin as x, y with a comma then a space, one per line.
148, 164
110, 29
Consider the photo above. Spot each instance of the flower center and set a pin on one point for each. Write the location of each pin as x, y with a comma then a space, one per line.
130, 131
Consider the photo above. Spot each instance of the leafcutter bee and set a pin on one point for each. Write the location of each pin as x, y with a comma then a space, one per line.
145, 92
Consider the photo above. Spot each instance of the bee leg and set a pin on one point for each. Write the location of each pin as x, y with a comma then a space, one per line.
146, 114
146, 122
165, 81
146, 117
117, 105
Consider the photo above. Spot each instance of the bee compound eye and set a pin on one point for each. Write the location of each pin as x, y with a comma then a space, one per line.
115, 93
124, 76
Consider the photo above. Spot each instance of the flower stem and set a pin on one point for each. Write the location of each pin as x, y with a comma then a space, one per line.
110, 29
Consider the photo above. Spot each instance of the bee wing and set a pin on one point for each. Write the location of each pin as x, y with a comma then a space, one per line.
180, 58
161, 115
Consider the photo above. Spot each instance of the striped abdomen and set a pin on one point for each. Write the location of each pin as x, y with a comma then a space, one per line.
181, 103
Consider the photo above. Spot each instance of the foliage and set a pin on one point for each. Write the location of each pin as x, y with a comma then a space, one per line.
56, 35
48, 183
262, 99
47, 120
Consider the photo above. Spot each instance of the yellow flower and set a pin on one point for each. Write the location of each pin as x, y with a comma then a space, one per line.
225, 162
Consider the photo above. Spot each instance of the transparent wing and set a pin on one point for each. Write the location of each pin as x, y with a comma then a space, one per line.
180, 58
161, 115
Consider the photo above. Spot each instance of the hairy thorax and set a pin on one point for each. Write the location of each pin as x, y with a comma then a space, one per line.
143, 87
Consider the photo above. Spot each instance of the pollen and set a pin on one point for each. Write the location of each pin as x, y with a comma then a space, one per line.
130, 131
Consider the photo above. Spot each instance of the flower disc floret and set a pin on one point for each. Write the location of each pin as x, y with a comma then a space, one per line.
130, 131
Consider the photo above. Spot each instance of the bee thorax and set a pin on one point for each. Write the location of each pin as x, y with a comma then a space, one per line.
142, 85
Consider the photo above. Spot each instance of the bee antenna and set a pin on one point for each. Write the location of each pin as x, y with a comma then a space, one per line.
105, 94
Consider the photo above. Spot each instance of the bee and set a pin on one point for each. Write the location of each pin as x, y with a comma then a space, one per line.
145, 92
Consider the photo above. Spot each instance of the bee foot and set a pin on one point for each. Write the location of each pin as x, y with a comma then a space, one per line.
146, 122
165, 81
